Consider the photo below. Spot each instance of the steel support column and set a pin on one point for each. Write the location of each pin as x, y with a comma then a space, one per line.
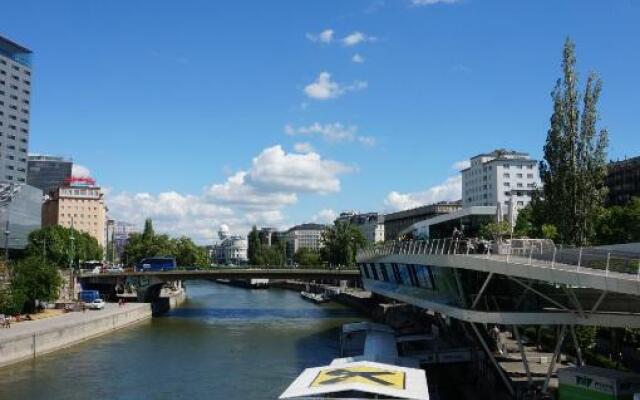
482, 289
486, 348
574, 338
556, 353
544, 296
523, 354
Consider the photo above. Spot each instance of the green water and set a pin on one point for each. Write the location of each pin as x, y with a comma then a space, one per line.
223, 343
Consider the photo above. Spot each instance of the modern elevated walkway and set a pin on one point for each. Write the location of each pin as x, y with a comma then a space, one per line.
608, 271
525, 261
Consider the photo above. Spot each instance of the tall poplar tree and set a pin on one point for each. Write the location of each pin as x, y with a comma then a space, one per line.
574, 165
254, 251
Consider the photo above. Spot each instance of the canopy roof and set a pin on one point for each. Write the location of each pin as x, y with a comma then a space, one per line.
360, 376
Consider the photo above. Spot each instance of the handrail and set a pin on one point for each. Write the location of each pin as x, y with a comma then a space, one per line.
539, 252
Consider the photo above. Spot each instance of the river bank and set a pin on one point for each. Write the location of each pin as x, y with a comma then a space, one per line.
30, 339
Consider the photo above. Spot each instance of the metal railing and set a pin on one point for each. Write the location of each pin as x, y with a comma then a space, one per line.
539, 252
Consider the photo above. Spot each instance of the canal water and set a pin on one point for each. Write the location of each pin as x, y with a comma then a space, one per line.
223, 343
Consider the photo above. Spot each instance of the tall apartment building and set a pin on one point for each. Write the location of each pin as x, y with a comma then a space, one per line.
307, 236
370, 224
502, 177
20, 203
623, 181
48, 173
15, 100
81, 203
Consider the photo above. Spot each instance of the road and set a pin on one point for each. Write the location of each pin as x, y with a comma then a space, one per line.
69, 319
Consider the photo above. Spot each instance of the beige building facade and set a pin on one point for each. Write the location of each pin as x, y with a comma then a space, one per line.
80, 205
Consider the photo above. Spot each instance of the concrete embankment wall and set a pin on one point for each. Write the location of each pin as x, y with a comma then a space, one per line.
28, 345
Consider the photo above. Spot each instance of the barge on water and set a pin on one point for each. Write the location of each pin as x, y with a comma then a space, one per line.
314, 297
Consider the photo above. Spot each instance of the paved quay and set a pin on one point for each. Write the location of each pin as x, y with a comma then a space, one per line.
29, 339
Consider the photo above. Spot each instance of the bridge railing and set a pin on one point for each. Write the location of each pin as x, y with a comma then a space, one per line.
540, 252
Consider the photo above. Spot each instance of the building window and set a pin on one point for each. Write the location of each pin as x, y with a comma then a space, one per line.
505, 166
506, 175
530, 176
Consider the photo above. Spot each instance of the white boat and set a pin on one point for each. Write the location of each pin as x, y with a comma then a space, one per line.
315, 297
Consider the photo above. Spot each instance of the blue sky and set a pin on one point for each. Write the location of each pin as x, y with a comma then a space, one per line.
199, 113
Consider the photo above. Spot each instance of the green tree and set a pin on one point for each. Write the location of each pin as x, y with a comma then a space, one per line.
620, 224
34, 279
188, 253
53, 243
524, 224
549, 231
11, 302
306, 257
149, 244
574, 165
143, 245
341, 243
495, 230
148, 233
254, 250
586, 336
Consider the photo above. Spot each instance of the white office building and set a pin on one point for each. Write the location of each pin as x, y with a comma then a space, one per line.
370, 224
232, 249
503, 177
305, 236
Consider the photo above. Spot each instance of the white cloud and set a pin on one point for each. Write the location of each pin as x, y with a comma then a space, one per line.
357, 58
334, 132
304, 147
171, 212
237, 191
325, 216
460, 165
257, 196
80, 171
432, 2
367, 140
357, 38
273, 169
324, 88
325, 36
449, 190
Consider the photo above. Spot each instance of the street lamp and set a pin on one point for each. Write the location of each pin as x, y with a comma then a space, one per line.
71, 248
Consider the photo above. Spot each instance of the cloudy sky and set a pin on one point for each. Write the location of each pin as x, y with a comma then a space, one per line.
198, 113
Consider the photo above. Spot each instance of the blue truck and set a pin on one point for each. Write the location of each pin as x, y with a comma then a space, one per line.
88, 296
157, 264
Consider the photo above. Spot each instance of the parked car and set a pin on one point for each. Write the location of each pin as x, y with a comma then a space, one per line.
97, 304
114, 269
